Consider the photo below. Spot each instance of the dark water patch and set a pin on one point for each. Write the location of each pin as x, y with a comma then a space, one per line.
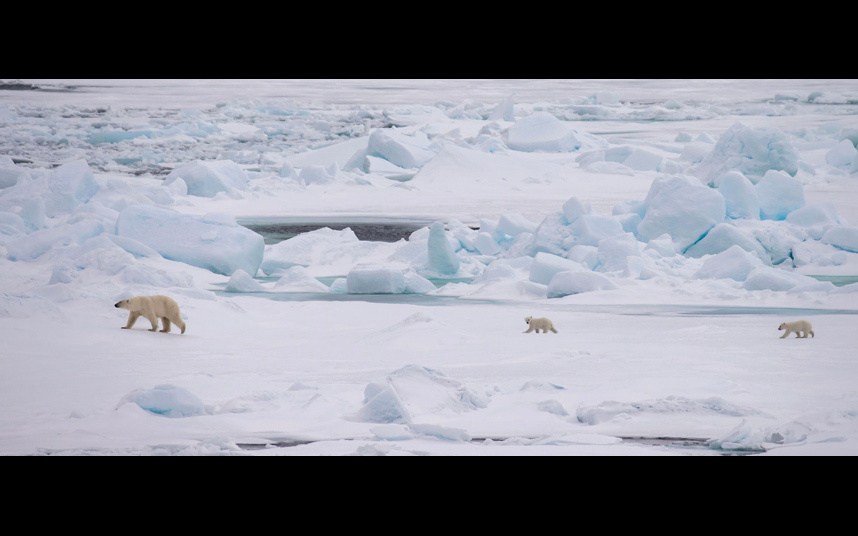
688, 443
275, 230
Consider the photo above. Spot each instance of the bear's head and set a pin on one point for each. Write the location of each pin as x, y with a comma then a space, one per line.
782, 326
122, 304
527, 320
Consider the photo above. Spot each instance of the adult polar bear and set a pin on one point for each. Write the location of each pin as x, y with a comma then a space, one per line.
801, 328
153, 308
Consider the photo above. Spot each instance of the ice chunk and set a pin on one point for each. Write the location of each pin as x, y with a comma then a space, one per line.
70, 185
587, 256
740, 196
399, 148
589, 229
442, 257
663, 245
779, 195
486, 244
815, 218
842, 154
514, 224
317, 174
634, 158
574, 208
566, 283
417, 284
734, 263
10, 174
546, 265
682, 208
505, 110
306, 249
207, 178
552, 235
167, 400
541, 131
223, 249
11, 224
753, 151
134, 247
817, 254
722, 237
375, 279
34, 245
241, 281
842, 237
614, 252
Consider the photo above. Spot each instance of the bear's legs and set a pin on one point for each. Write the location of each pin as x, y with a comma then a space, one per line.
166, 322
132, 317
785, 335
179, 322
154, 321
529, 329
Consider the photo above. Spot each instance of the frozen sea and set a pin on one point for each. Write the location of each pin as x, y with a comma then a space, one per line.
666, 227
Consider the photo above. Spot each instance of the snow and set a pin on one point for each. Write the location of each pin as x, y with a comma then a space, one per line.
606, 206
215, 245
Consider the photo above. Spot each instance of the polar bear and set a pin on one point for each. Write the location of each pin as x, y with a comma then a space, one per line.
538, 323
153, 308
800, 327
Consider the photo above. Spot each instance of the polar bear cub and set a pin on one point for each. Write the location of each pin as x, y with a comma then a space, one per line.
800, 327
539, 323
153, 308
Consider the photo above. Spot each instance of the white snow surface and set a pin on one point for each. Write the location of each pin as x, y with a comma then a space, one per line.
665, 227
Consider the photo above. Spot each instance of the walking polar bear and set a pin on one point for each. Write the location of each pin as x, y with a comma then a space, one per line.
800, 327
539, 323
153, 308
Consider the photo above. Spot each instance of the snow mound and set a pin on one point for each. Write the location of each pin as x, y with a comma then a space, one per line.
207, 178
413, 394
32, 246
752, 151
740, 196
614, 253
542, 131
10, 174
299, 279
768, 278
734, 263
241, 281
779, 195
567, 283
218, 245
514, 224
167, 400
608, 410
574, 208
682, 208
